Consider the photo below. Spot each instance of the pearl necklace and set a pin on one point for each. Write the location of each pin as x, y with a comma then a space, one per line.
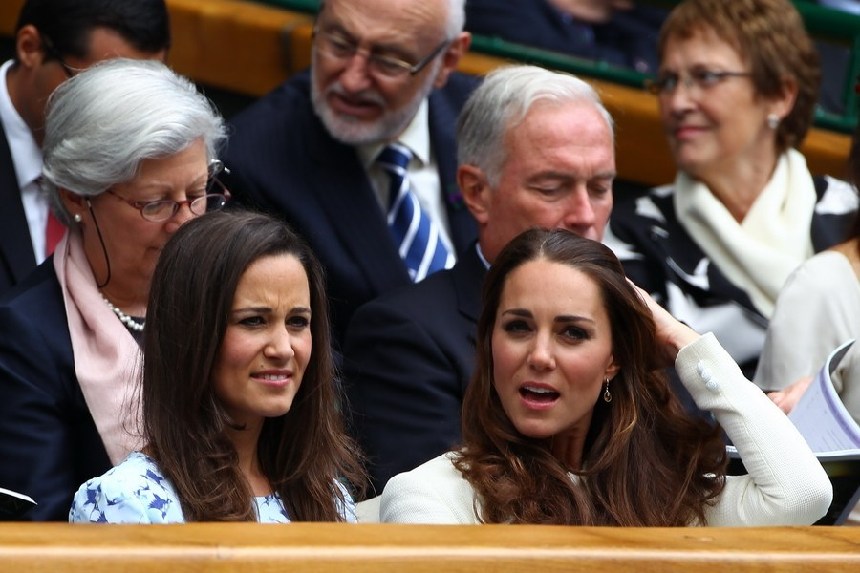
128, 321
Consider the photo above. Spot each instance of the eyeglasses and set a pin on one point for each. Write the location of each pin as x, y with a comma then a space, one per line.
54, 54
702, 80
339, 47
215, 197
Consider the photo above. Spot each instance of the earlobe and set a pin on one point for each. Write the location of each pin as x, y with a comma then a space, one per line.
613, 370
73, 203
28, 46
785, 102
474, 188
451, 58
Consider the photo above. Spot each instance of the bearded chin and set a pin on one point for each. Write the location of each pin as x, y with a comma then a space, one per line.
355, 131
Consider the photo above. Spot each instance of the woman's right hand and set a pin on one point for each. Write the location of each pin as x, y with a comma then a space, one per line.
672, 334
787, 399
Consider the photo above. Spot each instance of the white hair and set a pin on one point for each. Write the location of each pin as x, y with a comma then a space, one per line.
502, 101
103, 122
456, 18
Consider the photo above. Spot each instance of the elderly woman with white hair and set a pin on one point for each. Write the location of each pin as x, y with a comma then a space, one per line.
129, 156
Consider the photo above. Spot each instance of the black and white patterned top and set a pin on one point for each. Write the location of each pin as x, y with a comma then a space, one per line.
660, 256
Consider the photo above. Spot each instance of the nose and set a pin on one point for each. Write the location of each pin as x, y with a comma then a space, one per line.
355, 76
182, 216
279, 347
580, 216
540, 357
681, 99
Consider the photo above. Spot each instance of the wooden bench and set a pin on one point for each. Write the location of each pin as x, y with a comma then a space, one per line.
333, 548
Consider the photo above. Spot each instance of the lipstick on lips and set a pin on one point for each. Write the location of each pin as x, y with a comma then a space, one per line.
538, 396
274, 378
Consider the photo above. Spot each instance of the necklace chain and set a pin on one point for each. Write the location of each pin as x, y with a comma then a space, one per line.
128, 321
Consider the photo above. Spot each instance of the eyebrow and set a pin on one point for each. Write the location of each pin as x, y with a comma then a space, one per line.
525, 313
375, 47
564, 318
562, 176
265, 309
202, 179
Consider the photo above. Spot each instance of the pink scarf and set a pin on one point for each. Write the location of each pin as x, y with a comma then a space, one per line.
106, 355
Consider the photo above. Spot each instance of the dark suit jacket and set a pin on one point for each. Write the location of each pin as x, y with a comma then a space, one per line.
49, 444
408, 357
16, 246
629, 40
283, 161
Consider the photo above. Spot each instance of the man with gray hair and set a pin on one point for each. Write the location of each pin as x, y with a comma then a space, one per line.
535, 148
359, 154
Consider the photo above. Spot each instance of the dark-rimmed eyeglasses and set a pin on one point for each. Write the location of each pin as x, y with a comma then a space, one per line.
214, 198
53, 54
340, 47
702, 80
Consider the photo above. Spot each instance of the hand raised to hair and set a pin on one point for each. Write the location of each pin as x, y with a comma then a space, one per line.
672, 334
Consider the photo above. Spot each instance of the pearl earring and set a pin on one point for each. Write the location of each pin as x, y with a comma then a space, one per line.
77, 218
773, 121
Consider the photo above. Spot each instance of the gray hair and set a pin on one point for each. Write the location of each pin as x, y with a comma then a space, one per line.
456, 18
502, 101
455, 22
103, 122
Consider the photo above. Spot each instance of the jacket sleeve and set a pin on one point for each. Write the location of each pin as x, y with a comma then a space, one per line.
41, 413
786, 484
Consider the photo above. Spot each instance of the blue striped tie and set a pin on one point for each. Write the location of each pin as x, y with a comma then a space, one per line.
415, 234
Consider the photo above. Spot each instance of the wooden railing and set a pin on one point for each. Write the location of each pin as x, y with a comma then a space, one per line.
333, 548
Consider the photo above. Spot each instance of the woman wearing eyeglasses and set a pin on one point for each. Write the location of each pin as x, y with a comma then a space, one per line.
737, 87
129, 156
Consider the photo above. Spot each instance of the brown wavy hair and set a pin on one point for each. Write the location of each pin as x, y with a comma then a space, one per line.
771, 37
303, 452
646, 461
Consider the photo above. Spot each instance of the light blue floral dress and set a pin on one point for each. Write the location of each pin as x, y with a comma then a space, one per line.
135, 492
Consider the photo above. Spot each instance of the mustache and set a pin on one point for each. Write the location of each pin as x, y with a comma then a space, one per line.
368, 96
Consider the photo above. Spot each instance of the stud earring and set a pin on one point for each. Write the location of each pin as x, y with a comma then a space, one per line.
773, 121
607, 395
77, 218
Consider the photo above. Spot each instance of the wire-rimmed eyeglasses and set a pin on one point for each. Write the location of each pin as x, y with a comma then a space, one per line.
215, 197
340, 47
703, 80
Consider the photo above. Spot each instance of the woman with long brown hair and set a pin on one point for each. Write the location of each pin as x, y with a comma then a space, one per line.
240, 414
570, 420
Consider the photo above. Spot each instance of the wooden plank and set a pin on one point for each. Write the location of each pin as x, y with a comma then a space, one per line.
232, 44
9, 10
218, 547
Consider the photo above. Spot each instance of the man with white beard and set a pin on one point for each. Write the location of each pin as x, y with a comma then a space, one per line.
358, 154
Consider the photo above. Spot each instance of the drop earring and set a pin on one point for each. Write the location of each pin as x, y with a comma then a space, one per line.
607, 395
773, 121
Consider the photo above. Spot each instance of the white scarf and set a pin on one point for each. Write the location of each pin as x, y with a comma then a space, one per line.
106, 355
758, 254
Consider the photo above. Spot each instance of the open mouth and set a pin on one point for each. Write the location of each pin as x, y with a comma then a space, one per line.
539, 395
